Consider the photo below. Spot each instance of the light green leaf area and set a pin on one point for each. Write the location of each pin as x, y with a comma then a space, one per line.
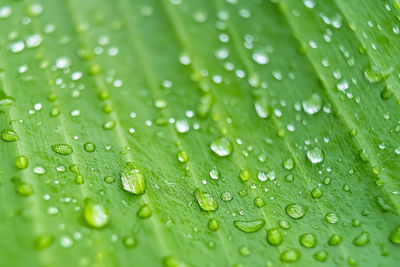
199, 133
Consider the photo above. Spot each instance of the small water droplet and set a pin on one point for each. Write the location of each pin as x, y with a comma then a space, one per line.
331, 217
89, 147
274, 237
144, 211
213, 224
362, 239
335, 240
21, 162
290, 255
308, 240
313, 104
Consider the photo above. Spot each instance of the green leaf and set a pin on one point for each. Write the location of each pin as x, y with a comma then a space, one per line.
199, 133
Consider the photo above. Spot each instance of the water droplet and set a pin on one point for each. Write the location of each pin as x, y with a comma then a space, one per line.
62, 149
66, 242
129, 241
260, 58
394, 236
315, 155
321, 255
335, 240
183, 156
206, 102
308, 240
89, 147
259, 202
133, 179
222, 147
296, 211
21, 162
39, 170
205, 200
244, 175
290, 255
317, 192
109, 179
109, 125
274, 237
182, 126
43, 241
144, 211
244, 251
23, 189
331, 217
249, 226
214, 174
313, 104
284, 224
171, 261
226, 196
362, 239
96, 215
9, 135
213, 224
374, 74
262, 107
288, 164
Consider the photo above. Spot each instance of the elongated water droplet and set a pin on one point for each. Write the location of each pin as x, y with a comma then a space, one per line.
362, 239
274, 237
262, 108
9, 135
394, 236
133, 179
96, 215
62, 149
182, 156
315, 155
206, 102
296, 211
244, 175
331, 217
222, 147
172, 261
205, 200
313, 104
249, 226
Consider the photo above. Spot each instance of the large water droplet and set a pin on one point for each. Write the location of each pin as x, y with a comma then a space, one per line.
222, 147
96, 215
249, 226
62, 149
315, 155
9, 135
296, 211
205, 200
274, 237
313, 104
133, 179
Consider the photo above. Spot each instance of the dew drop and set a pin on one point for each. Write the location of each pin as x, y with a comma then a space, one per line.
274, 237
96, 215
308, 240
62, 149
315, 155
205, 200
295, 211
249, 226
89, 147
133, 179
21, 162
144, 211
222, 147
312, 105
9, 135
290, 255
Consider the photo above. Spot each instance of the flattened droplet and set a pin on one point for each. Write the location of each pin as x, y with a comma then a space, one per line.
249, 226
132, 179
205, 200
9, 135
